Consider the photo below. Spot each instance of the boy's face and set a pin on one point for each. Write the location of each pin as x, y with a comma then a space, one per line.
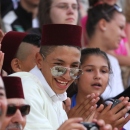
64, 56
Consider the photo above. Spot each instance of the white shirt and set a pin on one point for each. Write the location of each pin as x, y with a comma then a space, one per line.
115, 80
45, 114
55, 97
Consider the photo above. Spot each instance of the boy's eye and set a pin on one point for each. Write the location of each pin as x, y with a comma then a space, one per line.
57, 63
75, 66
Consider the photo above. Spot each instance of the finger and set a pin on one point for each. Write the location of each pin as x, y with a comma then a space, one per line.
89, 108
102, 125
107, 127
119, 106
85, 103
73, 123
122, 112
121, 98
124, 98
72, 120
120, 123
107, 108
89, 117
98, 110
67, 104
1, 32
86, 110
83, 110
1, 35
1, 60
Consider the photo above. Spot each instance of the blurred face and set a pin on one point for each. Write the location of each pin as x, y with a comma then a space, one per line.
65, 56
30, 61
64, 12
3, 102
95, 76
114, 31
15, 121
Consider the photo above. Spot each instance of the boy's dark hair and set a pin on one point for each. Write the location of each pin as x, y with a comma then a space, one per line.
32, 39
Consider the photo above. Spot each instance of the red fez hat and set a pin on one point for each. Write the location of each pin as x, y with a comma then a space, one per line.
13, 87
9, 46
61, 34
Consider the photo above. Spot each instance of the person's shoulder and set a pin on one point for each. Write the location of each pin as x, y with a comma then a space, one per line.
112, 59
22, 74
26, 76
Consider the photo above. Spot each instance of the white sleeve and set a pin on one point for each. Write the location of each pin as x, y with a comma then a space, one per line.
36, 120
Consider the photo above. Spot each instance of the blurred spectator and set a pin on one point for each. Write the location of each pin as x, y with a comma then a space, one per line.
127, 14
23, 17
105, 31
3, 102
4, 8
56, 12
22, 55
17, 108
122, 53
83, 7
85, 18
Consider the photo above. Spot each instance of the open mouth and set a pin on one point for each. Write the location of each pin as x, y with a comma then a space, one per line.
61, 84
97, 85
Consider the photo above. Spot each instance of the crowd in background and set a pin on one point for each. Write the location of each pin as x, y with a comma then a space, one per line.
28, 28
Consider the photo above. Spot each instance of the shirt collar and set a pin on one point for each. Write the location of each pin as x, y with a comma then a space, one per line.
55, 97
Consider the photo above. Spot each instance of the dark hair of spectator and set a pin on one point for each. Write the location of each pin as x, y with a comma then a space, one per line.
32, 39
92, 2
98, 12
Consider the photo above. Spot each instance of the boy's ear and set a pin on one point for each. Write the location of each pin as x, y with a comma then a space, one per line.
16, 66
39, 60
103, 25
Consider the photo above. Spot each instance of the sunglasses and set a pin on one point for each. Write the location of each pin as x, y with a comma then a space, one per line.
57, 71
115, 7
24, 109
